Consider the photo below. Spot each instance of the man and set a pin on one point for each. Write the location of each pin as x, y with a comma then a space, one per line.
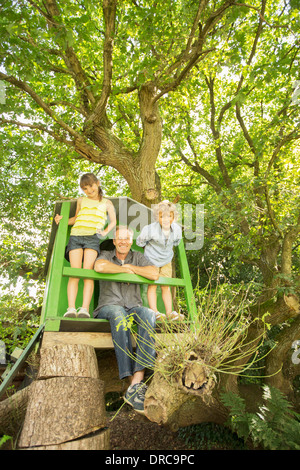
118, 301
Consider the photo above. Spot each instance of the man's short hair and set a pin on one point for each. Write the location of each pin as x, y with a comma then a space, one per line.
123, 227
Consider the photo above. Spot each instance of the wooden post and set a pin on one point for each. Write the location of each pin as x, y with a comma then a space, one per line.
66, 409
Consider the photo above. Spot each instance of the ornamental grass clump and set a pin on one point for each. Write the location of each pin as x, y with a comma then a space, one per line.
215, 340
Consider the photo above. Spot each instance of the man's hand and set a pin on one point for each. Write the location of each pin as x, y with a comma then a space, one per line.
150, 272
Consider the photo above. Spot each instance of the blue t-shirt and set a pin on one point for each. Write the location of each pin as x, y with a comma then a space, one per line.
158, 247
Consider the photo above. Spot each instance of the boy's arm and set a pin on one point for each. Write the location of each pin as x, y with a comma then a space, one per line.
178, 234
143, 237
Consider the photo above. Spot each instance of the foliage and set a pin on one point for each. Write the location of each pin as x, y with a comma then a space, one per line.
275, 426
223, 77
210, 436
18, 322
229, 136
5, 439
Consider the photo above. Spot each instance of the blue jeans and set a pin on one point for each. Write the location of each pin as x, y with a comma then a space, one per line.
121, 335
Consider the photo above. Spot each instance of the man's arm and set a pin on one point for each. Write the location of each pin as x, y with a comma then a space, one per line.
105, 266
150, 272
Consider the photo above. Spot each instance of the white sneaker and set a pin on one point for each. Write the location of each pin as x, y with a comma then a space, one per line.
83, 313
159, 315
71, 312
174, 316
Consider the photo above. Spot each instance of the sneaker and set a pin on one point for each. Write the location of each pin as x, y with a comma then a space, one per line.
71, 312
159, 315
174, 316
83, 313
135, 396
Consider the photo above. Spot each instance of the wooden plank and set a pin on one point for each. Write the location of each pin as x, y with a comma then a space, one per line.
97, 340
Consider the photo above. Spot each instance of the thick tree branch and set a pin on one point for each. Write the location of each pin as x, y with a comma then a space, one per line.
248, 138
38, 100
37, 127
216, 132
71, 60
293, 135
109, 11
193, 53
198, 169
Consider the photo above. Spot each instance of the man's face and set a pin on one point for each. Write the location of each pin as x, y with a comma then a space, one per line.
123, 241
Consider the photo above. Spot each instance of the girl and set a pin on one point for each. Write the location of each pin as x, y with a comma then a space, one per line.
83, 246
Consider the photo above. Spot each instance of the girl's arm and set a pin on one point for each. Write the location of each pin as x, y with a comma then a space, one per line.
71, 221
112, 219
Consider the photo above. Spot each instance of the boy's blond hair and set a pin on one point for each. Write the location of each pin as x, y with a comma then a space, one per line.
165, 207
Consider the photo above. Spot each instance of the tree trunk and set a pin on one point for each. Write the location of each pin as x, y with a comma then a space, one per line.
169, 404
66, 403
280, 366
12, 412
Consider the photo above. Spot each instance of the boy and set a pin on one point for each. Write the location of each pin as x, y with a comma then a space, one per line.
159, 239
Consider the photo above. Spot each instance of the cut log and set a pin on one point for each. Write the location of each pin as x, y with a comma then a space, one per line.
170, 405
62, 409
12, 412
96, 441
68, 360
66, 401
195, 377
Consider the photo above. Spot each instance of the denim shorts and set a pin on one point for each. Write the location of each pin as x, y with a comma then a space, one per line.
85, 241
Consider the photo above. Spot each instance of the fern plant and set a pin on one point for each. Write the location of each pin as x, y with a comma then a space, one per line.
275, 426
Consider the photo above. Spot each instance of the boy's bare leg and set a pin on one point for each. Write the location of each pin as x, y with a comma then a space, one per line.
152, 300
167, 298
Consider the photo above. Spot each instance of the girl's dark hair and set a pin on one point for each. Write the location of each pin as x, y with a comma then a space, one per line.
89, 179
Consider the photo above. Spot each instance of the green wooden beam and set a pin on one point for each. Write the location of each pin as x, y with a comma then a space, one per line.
130, 278
185, 274
52, 291
17, 366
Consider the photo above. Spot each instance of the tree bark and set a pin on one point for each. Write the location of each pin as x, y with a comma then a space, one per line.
279, 364
12, 412
66, 402
168, 404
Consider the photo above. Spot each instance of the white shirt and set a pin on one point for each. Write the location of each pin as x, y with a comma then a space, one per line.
158, 246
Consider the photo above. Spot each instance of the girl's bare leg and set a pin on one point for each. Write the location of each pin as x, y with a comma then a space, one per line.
88, 284
75, 262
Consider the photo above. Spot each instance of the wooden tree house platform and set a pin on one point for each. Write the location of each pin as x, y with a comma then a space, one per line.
54, 328
94, 331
